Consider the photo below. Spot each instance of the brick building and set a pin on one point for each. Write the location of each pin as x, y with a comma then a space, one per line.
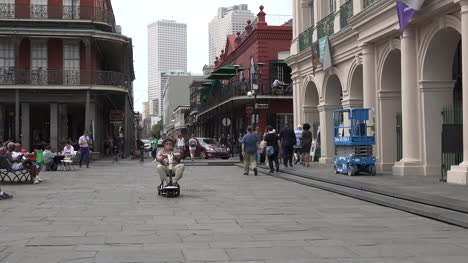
243, 76
64, 67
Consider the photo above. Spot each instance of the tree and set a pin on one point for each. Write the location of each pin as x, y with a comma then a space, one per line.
156, 129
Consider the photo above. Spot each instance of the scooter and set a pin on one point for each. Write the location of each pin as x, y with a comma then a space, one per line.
171, 189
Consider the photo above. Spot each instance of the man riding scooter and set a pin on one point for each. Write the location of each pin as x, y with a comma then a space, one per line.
163, 158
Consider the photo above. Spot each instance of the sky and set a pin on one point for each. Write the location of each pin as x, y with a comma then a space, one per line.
135, 15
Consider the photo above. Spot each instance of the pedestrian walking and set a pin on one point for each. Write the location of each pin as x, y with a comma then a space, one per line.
288, 140
298, 145
180, 142
84, 149
306, 140
249, 151
239, 146
272, 149
154, 146
260, 156
192, 147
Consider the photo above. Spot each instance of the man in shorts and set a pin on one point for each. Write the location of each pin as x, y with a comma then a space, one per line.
298, 146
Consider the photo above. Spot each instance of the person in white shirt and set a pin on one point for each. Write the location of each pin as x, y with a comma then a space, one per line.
84, 149
68, 149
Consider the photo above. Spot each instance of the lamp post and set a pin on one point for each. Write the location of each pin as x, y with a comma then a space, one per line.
255, 88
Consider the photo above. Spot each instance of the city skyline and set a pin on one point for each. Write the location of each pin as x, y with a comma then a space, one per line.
134, 21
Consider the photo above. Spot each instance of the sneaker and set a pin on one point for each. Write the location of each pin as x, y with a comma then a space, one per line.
36, 181
246, 173
271, 171
277, 170
255, 171
290, 164
5, 196
39, 179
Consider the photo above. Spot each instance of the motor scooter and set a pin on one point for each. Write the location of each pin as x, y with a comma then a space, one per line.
170, 189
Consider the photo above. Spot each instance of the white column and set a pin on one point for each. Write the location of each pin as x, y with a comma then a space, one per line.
327, 144
411, 162
459, 174
389, 106
435, 95
25, 126
357, 6
296, 105
369, 75
54, 126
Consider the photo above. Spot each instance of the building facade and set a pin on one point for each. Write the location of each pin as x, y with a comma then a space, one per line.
64, 68
228, 21
176, 94
167, 52
240, 91
413, 82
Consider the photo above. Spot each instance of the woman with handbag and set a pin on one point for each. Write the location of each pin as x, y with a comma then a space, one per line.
272, 149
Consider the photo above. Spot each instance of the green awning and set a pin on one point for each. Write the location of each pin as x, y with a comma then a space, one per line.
221, 76
228, 70
207, 84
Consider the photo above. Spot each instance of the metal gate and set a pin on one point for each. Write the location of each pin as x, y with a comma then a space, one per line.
452, 138
399, 137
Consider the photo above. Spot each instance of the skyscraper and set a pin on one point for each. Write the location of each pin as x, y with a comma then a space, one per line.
229, 21
167, 52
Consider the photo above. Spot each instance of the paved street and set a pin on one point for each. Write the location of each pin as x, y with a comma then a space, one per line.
110, 213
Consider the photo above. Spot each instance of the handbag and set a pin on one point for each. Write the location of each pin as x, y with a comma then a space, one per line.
270, 151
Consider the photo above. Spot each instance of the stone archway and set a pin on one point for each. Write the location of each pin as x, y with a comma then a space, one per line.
332, 100
355, 87
311, 101
389, 104
439, 72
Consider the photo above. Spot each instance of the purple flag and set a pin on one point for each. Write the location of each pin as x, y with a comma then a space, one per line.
405, 13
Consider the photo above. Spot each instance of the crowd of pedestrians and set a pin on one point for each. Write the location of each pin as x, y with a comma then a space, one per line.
273, 148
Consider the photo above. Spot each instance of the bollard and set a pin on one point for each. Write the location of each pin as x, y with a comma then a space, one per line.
142, 154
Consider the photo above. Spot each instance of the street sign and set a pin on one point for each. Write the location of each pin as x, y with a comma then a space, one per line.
249, 110
259, 106
226, 122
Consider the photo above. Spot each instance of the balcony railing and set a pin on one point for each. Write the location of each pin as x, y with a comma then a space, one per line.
54, 12
326, 26
346, 12
306, 39
236, 89
44, 77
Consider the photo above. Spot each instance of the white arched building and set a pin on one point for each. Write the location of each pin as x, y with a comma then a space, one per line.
409, 81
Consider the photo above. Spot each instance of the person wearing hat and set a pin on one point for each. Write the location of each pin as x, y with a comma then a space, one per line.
162, 158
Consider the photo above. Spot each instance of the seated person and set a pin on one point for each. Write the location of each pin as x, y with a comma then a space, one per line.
18, 162
52, 160
162, 158
68, 149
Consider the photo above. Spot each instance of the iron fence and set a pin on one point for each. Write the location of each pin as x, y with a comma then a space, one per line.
66, 12
452, 138
42, 77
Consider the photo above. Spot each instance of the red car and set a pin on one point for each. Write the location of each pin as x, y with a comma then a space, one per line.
208, 148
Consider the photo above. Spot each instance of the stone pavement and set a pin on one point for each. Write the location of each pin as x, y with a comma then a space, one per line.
110, 213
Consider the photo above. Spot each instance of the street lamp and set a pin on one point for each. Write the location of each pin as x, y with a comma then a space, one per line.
253, 92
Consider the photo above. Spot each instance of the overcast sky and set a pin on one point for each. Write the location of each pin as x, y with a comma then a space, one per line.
135, 15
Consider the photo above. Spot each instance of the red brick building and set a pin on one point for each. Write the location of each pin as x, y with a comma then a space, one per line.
64, 68
243, 76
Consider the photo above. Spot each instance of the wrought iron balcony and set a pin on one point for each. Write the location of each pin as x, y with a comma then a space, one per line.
7, 10
238, 89
57, 12
306, 39
44, 77
346, 12
326, 26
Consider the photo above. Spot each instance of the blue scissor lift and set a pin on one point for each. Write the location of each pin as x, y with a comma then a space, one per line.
354, 138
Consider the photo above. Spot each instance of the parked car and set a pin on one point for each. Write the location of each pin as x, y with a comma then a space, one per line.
208, 148
147, 145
